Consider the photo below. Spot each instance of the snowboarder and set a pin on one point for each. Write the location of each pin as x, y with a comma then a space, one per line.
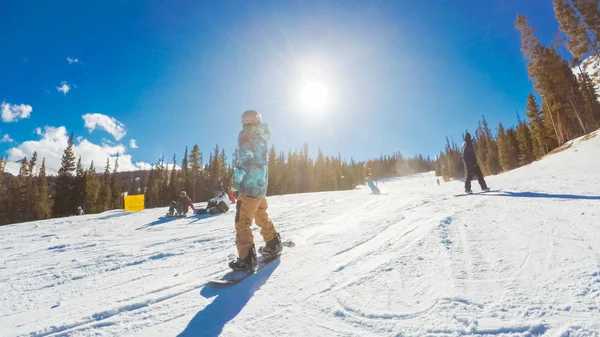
216, 205
250, 179
369, 179
471, 165
438, 181
182, 206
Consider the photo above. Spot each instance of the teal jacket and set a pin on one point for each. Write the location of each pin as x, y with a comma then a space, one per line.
251, 172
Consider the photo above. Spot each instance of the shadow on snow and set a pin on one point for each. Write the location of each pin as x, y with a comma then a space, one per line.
230, 300
159, 221
544, 195
113, 215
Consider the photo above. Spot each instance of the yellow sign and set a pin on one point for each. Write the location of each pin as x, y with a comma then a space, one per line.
134, 203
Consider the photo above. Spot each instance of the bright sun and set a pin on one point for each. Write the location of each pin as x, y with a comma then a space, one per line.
314, 95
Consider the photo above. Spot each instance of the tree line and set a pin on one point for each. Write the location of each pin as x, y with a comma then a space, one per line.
31, 195
569, 102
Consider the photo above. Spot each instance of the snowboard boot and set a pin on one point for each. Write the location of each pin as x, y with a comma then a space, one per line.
247, 264
487, 189
468, 191
272, 248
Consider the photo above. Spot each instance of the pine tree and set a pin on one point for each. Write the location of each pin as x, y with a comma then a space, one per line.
104, 196
92, 189
216, 167
538, 129
20, 192
590, 96
271, 188
173, 188
2, 166
31, 187
116, 199
578, 41
512, 149
79, 185
502, 143
195, 161
556, 83
525, 144
591, 18
63, 201
185, 175
42, 201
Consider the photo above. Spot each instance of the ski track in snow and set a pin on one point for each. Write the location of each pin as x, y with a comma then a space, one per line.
415, 261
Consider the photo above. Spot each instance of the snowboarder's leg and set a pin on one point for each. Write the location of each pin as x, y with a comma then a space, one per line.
172, 207
480, 178
273, 245
470, 173
267, 229
222, 207
246, 208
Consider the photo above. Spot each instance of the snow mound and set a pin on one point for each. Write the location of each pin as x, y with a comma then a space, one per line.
416, 261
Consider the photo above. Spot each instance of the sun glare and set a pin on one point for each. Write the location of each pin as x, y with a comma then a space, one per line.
314, 95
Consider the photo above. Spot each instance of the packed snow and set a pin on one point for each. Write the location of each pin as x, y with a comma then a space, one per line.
417, 260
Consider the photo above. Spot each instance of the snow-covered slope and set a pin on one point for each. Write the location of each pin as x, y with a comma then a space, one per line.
415, 261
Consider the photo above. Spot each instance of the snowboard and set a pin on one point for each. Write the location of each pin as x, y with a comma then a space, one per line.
480, 192
233, 277
175, 215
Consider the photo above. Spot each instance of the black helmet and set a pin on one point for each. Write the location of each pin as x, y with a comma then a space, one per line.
467, 136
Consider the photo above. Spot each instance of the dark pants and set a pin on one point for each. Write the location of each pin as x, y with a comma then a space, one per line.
175, 206
474, 170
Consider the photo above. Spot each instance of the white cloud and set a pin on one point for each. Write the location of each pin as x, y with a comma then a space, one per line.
6, 139
64, 87
54, 140
14, 112
71, 60
38, 131
109, 124
133, 144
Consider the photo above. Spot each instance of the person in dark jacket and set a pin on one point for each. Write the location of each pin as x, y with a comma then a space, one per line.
471, 165
182, 206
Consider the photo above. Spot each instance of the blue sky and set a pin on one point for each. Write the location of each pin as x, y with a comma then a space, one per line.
399, 75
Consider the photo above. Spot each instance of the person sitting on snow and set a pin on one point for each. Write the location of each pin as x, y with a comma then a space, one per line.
182, 206
216, 205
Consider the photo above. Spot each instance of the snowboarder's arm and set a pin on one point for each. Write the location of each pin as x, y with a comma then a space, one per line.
245, 159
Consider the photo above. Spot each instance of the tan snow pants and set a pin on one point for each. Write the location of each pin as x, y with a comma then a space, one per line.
248, 209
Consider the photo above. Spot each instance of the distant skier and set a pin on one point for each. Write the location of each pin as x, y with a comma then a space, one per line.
471, 165
369, 180
80, 211
438, 181
250, 179
216, 205
182, 206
